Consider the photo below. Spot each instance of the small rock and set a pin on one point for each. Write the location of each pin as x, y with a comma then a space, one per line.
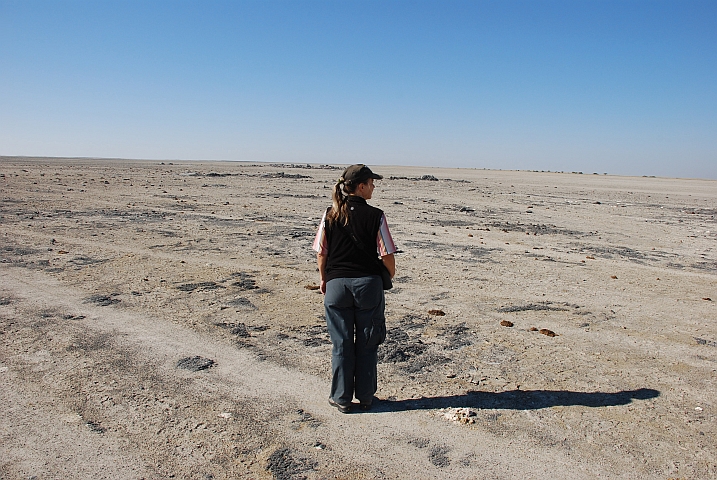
614, 277
590, 257
506, 323
532, 329
458, 415
312, 287
438, 313
547, 332
225, 415
707, 298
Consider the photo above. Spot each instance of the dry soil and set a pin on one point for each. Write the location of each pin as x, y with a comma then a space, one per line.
158, 320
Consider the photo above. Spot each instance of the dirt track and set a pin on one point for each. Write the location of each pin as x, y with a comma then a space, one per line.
113, 272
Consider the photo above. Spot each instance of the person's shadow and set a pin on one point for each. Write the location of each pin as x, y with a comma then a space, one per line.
517, 400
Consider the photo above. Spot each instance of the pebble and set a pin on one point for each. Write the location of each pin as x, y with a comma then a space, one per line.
438, 313
547, 332
506, 323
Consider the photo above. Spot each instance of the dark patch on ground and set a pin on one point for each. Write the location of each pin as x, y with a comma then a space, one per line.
418, 363
301, 233
283, 465
236, 328
457, 336
317, 335
429, 178
419, 442
700, 211
629, 254
479, 252
241, 302
290, 195
245, 284
5, 301
307, 166
240, 330
83, 260
190, 287
284, 175
706, 266
412, 321
548, 306
439, 456
611, 252
453, 223
392, 353
448, 252
103, 300
95, 427
316, 341
702, 341
306, 419
21, 251
400, 348
195, 364
90, 343
536, 229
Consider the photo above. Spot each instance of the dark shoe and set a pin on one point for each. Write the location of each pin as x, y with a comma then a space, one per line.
342, 408
365, 405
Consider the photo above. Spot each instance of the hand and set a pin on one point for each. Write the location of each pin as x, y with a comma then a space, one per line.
323, 287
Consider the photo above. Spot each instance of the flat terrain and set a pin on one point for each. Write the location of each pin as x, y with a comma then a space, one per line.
158, 320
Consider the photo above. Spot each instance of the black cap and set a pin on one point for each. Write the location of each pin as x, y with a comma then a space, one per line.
358, 174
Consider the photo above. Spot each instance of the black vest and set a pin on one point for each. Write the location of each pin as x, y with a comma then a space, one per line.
345, 260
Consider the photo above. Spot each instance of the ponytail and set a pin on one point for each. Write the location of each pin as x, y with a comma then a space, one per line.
340, 210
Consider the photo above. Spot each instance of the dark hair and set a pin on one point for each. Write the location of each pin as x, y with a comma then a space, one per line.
339, 211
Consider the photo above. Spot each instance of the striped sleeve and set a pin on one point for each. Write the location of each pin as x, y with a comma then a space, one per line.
320, 243
384, 240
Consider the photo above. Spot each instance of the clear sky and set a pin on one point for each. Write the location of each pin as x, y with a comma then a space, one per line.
624, 87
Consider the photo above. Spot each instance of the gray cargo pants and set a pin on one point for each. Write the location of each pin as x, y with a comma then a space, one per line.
352, 305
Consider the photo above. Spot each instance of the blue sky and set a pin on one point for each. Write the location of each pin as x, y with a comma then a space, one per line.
624, 87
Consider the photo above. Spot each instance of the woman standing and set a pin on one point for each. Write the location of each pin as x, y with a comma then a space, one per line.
351, 238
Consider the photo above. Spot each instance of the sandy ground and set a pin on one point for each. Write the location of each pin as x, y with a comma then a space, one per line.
121, 280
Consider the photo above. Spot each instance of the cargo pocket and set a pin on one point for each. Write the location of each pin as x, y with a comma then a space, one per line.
377, 334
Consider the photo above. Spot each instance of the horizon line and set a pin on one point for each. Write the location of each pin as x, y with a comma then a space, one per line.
292, 164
